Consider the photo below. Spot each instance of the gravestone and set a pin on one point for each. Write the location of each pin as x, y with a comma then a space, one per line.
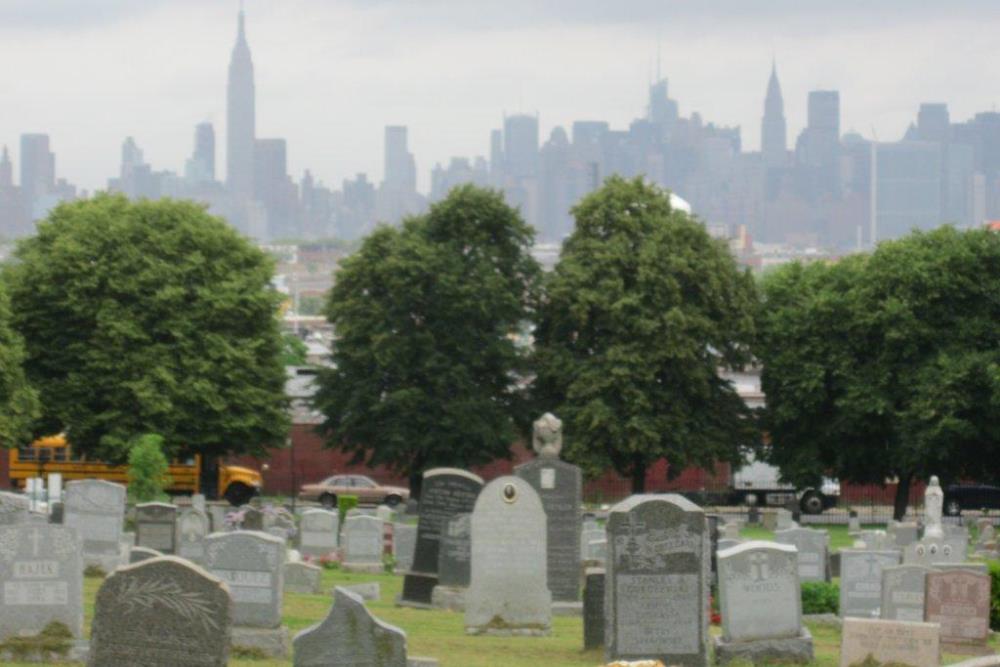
192, 529
318, 531
139, 554
560, 487
959, 600
813, 548
370, 590
930, 551
386, 513
253, 518
14, 508
878, 642
593, 608
853, 522
904, 533
198, 502
163, 612
445, 493
302, 578
656, 593
903, 592
454, 564
217, 513
508, 590
404, 541
597, 552
250, 564
784, 519
42, 574
96, 510
156, 527
57, 511
587, 537
861, 580
350, 636
761, 605
363, 544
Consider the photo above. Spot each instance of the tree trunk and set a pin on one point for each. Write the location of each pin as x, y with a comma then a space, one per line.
902, 496
416, 482
209, 477
638, 475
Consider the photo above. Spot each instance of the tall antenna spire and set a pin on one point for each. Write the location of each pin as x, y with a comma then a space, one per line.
242, 31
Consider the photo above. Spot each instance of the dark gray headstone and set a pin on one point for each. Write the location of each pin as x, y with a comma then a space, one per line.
250, 562
42, 579
139, 554
445, 492
656, 593
163, 612
455, 553
559, 485
593, 608
56, 512
253, 518
350, 636
156, 527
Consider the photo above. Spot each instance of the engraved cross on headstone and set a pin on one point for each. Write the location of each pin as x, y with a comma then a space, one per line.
871, 560
35, 539
759, 564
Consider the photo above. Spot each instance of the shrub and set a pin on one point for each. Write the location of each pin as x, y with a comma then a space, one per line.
820, 597
994, 594
345, 503
147, 469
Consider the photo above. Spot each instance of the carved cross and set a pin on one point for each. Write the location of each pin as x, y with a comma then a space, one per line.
35, 539
758, 562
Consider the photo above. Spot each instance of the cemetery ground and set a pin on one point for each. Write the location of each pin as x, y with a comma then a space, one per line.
440, 634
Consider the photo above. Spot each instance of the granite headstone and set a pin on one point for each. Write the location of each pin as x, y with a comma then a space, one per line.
156, 527
959, 600
302, 578
813, 548
861, 580
250, 562
455, 552
364, 543
593, 608
350, 636
318, 532
867, 641
96, 510
192, 529
903, 592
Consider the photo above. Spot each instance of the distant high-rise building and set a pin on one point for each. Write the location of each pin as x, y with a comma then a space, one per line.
933, 122
773, 131
400, 167
274, 189
201, 167
520, 146
6, 170
818, 148
38, 168
131, 156
240, 118
662, 111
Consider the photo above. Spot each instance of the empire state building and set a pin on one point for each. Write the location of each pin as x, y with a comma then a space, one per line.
240, 118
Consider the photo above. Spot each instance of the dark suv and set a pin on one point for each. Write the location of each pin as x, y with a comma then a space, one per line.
958, 497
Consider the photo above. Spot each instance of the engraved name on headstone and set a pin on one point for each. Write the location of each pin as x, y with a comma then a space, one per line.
959, 600
455, 553
873, 641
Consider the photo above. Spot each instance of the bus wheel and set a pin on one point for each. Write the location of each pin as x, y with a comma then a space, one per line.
238, 494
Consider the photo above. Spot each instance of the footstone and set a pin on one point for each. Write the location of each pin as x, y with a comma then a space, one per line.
959, 600
302, 578
139, 554
350, 636
813, 548
560, 487
364, 543
445, 493
593, 608
192, 529
861, 580
508, 590
250, 563
656, 593
161, 613
903, 592
96, 510
872, 641
42, 574
318, 532
156, 527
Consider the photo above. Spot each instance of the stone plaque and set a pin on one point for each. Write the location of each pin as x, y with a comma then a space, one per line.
163, 612
656, 592
318, 533
903, 592
873, 641
192, 529
960, 601
156, 527
904, 533
813, 547
350, 636
759, 592
41, 574
250, 563
404, 541
302, 578
445, 492
593, 608
508, 590
559, 485
861, 580
96, 509
455, 552
364, 540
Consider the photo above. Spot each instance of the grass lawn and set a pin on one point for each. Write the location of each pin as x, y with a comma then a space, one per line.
440, 634
839, 539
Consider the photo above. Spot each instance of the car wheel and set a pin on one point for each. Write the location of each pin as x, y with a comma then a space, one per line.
238, 494
812, 503
953, 508
393, 500
328, 500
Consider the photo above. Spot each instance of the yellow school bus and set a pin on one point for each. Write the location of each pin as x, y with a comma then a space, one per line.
53, 454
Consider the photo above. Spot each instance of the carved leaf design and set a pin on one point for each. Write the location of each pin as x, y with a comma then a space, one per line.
145, 594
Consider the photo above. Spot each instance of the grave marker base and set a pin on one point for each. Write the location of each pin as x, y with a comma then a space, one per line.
567, 608
794, 650
268, 642
450, 598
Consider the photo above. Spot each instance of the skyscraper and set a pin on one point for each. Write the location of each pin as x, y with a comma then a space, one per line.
201, 167
520, 145
773, 133
240, 118
819, 144
400, 168
38, 168
6, 170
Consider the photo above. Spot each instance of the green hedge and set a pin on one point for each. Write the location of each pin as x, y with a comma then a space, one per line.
345, 503
994, 594
820, 597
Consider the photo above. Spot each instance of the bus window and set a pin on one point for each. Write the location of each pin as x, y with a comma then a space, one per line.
26, 454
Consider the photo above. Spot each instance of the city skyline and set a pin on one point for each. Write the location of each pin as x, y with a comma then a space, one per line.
190, 72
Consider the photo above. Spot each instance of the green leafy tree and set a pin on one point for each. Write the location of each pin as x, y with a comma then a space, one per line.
886, 366
150, 317
293, 350
148, 469
426, 364
641, 312
18, 400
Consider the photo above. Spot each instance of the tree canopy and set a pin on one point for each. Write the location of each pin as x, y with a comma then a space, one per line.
642, 311
886, 365
426, 363
150, 317
18, 399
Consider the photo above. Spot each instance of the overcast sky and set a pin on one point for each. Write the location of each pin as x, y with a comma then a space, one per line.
332, 73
